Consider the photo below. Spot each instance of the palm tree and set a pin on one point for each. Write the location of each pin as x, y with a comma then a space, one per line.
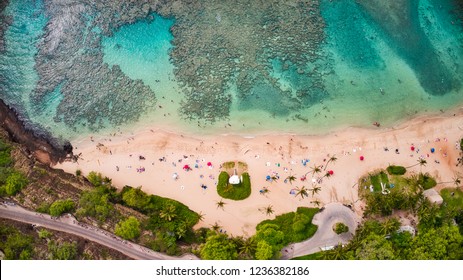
168, 212
220, 204
302, 192
333, 158
269, 210
316, 202
290, 179
180, 230
315, 190
315, 169
247, 247
456, 180
201, 216
421, 162
389, 226
215, 227
337, 253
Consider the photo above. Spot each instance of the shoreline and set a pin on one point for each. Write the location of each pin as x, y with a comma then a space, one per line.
165, 153
142, 127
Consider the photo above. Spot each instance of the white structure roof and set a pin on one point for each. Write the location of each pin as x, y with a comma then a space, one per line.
433, 196
234, 180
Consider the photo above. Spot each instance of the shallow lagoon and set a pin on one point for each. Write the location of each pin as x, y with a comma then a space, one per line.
364, 72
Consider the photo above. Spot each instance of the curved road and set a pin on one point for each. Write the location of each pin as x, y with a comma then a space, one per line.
69, 224
325, 237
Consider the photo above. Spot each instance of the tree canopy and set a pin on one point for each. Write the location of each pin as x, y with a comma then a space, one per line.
218, 247
128, 229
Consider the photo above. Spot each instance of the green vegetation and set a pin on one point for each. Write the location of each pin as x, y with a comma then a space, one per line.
5, 154
44, 207
44, 234
396, 170
296, 226
96, 203
14, 244
377, 179
218, 247
13, 183
11, 180
403, 192
234, 192
63, 251
270, 239
437, 238
340, 228
426, 181
452, 208
169, 220
61, 206
272, 235
128, 229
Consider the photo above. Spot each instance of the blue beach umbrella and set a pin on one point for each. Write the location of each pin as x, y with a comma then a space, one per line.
432, 150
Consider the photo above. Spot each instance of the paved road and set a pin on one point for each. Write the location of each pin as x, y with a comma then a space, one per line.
325, 236
70, 225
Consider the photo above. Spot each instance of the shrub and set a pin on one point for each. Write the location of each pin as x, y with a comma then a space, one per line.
426, 181
396, 170
61, 206
78, 172
64, 251
15, 182
128, 229
340, 228
296, 226
5, 154
44, 207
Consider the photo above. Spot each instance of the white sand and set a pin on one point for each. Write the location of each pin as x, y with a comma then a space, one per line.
241, 217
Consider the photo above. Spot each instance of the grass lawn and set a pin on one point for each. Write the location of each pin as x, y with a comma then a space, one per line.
234, 192
453, 201
377, 179
296, 226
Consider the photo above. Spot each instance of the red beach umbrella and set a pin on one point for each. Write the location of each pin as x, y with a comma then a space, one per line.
412, 148
331, 172
209, 164
362, 157
186, 167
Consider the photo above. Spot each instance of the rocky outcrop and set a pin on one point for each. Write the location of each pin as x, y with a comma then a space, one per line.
39, 142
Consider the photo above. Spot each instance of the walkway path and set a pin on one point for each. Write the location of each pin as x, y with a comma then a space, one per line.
325, 237
69, 224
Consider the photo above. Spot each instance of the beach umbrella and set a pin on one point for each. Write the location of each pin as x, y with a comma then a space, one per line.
186, 167
209, 164
331, 172
268, 177
362, 157
175, 176
412, 148
432, 150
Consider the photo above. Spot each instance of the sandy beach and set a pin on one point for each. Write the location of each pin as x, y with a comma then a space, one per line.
150, 158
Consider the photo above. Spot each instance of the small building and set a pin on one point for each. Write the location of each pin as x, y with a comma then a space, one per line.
234, 179
433, 196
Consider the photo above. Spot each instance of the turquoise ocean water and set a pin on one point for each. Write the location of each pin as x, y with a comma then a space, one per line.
376, 67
